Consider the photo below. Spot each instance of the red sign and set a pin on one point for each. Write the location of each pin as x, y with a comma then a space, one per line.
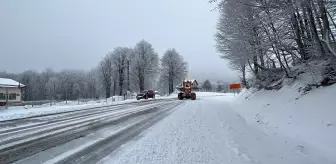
235, 86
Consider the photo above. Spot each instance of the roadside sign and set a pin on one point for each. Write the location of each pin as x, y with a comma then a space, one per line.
235, 86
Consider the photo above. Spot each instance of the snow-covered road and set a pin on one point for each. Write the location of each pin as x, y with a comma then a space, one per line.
251, 128
210, 131
71, 137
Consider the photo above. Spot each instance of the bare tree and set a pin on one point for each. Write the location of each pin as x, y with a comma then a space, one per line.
119, 61
64, 85
29, 78
145, 63
173, 69
207, 85
106, 74
44, 78
269, 37
52, 87
92, 83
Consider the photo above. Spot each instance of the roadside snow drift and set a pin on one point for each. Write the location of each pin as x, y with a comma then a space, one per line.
28, 111
205, 94
309, 119
265, 127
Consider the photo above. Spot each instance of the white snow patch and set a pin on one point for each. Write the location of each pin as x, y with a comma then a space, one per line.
108, 133
308, 120
10, 82
205, 94
27, 111
194, 133
267, 127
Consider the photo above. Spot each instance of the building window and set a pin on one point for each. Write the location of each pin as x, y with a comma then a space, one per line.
2, 96
12, 96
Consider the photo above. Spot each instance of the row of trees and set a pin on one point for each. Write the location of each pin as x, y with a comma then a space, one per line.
64, 85
139, 68
218, 87
270, 38
124, 69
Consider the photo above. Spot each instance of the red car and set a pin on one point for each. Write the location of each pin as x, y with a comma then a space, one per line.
145, 95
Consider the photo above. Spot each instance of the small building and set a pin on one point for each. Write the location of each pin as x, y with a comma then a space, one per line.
194, 83
191, 83
10, 91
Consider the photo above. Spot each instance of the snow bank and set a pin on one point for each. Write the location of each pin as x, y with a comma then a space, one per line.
27, 111
205, 94
308, 118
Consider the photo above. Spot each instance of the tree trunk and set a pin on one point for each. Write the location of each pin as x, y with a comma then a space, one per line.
298, 38
332, 20
324, 17
141, 79
121, 81
318, 20
306, 23
301, 25
142, 84
114, 86
273, 64
285, 59
171, 79
255, 63
108, 91
332, 35
261, 58
297, 32
170, 85
244, 82
314, 30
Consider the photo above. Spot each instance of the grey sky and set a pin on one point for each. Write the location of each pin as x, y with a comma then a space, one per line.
76, 34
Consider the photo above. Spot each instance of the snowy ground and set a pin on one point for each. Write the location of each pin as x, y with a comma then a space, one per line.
70, 137
27, 111
268, 127
203, 94
252, 128
308, 120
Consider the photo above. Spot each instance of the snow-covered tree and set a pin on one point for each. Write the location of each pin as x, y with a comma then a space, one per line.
92, 81
269, 37
119, 59
207, 86
106, 74
44, 79
173, 69
52, 87
220, 88
30, 78
139, 64
145, 64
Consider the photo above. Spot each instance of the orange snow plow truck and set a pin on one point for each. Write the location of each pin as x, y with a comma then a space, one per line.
186, 89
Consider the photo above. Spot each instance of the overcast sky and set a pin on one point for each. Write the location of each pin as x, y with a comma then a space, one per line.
76, 34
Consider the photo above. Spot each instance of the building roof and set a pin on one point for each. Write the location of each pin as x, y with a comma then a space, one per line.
10, 83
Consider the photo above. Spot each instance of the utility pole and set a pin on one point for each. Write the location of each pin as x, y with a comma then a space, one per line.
6, 98
54, 95
128, 79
